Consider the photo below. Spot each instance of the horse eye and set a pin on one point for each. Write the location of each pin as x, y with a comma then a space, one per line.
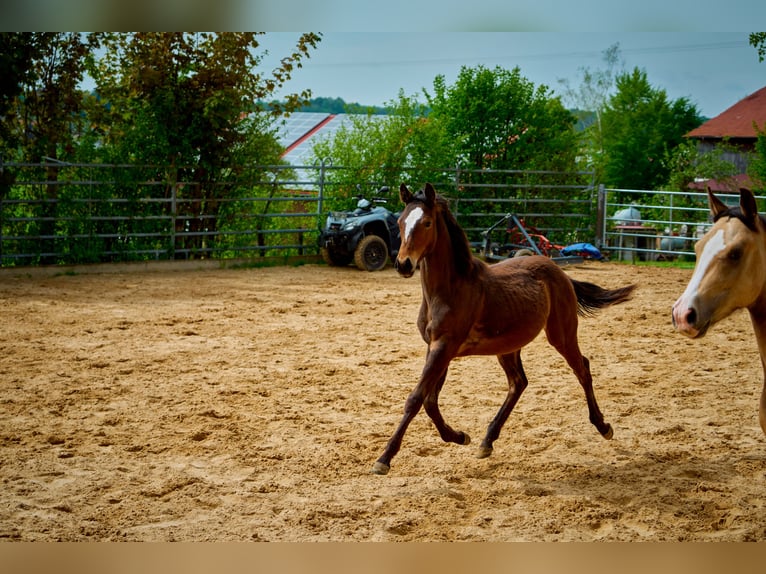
427, 223
735, 254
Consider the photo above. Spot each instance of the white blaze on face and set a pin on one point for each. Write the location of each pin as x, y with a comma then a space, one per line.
411, 221
714, 246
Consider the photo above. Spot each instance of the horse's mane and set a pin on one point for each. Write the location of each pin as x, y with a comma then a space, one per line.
461, 249
736, 212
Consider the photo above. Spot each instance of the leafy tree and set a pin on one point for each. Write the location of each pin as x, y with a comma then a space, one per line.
758, 41
43, 113
757, 167
686, 164
497, 119
190, 101
18, 52
379, 148
640, 127
41, 104
591, 97
338, 106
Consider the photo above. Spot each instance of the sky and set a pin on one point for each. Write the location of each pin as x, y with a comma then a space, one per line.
713, 70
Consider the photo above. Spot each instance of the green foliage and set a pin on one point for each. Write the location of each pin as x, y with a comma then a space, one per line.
180, 99
188, 102
17, 54
377, 149
758, 41
497, 119
491, 120
686, 164
589, 99
640, 128
757, 167
338, 106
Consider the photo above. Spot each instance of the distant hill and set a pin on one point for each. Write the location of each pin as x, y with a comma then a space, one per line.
339, 106
336, 106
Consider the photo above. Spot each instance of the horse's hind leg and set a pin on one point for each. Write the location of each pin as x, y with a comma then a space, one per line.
594, 413
566, 344
517, 382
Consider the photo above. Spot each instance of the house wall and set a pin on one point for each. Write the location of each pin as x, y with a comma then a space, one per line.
740, 158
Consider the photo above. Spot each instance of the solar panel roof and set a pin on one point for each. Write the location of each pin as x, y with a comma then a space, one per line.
300, 131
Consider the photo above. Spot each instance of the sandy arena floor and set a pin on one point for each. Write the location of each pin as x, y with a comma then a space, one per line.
250, 404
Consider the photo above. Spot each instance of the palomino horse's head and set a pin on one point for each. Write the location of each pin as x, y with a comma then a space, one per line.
730, 270
417, 228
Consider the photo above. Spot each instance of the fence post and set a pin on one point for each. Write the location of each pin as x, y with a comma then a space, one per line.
601, 216
457, 190
173, 217
320, 200
2, 172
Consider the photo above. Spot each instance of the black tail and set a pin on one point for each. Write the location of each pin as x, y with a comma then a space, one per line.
591, 297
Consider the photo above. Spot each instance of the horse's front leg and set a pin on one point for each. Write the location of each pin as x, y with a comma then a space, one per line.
431, 379
758, 317
762, 409
446, 432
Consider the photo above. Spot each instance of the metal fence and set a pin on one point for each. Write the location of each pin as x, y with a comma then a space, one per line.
56, 214
643, 225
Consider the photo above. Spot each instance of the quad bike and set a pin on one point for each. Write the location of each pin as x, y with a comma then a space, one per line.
368, 235
520, 241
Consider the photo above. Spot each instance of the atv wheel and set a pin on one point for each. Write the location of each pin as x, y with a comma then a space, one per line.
334, 259
371, 254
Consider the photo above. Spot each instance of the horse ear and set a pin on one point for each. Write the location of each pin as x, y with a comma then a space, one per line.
747, 204
716, 205
430, 195
405, 194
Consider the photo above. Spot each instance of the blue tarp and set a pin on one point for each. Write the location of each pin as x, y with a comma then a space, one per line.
582, 249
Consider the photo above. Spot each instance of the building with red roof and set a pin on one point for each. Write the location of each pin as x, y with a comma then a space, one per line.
736, 124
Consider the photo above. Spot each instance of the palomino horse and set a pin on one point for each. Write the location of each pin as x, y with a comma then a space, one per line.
730, 274
471, 308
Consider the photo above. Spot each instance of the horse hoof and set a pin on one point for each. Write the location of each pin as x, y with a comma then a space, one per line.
484, 452
609, 432
466, 439
380, 468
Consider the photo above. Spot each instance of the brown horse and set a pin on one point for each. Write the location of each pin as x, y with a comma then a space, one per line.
471, 308
730, 274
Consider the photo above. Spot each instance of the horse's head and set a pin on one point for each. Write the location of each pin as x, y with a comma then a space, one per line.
417, 228
731, 267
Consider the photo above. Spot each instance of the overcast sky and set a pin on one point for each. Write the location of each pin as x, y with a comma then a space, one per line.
713, 70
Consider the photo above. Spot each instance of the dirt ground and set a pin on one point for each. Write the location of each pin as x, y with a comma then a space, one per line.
250, 405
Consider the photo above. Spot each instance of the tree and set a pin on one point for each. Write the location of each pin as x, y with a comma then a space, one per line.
591, 97
378, 148
758, 41
757, 167
17, 54
44, 112
497, 119
640, 127
190, 102
686, 164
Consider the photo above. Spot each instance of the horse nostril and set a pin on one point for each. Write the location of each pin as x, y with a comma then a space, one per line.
691, 317
403, 267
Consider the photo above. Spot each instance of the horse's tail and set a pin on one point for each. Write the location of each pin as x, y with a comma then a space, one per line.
591, 297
